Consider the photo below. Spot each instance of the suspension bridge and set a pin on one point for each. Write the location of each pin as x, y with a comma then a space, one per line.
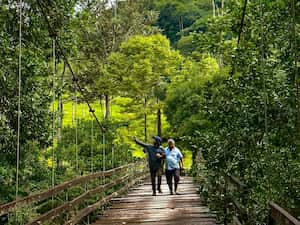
123, 195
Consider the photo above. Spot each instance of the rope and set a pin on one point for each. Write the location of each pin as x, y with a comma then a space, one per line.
294, 54
62, 53
239, 35
19, 98
92, 142
242, 20
113, 157
263, 75
53, 111
76, 129
103, 151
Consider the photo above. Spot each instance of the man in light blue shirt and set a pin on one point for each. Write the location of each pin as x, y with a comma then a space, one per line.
174, 161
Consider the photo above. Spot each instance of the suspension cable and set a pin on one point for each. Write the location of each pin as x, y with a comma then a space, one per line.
76, 127
53, 111
262, 61
242, 20
52, 32
239, 35
103, 151
113, 156
19, 98
92, 143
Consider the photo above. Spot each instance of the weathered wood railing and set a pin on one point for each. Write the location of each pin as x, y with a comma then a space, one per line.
125, 175
277, 215
233, 187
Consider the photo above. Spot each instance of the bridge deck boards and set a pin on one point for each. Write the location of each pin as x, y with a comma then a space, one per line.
140, 207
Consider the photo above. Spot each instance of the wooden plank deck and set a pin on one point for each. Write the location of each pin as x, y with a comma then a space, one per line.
140, 207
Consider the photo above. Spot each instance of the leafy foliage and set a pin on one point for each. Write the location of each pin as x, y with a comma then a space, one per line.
142, 63
243, 117
177, 15
236, 106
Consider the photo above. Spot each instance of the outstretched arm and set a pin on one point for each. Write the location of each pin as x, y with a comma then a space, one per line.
140, 143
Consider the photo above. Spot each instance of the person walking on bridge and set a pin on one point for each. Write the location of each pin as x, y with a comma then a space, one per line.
156, 154
174, 161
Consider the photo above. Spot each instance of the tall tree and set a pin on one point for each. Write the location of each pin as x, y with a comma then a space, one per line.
103, 29
245, 122
35, 89
142, 65
175, 16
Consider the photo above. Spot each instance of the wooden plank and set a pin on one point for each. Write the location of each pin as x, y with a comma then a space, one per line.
126, 206
140, 207
36, 197
164, 222
159, 211
172, 218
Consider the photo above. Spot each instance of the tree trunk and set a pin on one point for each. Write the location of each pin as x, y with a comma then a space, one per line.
107, 106
214, 8
59, 126
159, 122
60, 105
101, 105
222, 8
60, 113
181, 26
159, 133
145, 121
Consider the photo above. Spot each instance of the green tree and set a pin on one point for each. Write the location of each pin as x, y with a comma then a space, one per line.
35, 91
101, 31
244, 118
177, 16
143, 64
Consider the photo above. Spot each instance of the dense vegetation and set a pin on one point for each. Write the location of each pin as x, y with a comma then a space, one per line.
223, 83
243, 113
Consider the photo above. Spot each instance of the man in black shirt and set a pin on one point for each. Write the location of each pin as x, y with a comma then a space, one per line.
155, 155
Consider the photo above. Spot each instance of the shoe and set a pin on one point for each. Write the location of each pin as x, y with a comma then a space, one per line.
171, 192
154, 194
176, 193
159, 191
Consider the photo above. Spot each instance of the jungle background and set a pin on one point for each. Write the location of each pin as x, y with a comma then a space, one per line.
226, 90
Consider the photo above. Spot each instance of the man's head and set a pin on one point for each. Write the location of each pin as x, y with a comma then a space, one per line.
156, 141
171, 143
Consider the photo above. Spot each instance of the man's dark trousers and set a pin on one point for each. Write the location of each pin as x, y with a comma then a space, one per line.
156, 172
169, 175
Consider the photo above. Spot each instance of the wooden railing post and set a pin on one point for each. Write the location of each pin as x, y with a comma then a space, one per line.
245, 193
240, 213
226, 204
270, 219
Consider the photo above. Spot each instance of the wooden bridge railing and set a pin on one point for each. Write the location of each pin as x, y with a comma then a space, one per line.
125, 175
277, 215
233, 187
